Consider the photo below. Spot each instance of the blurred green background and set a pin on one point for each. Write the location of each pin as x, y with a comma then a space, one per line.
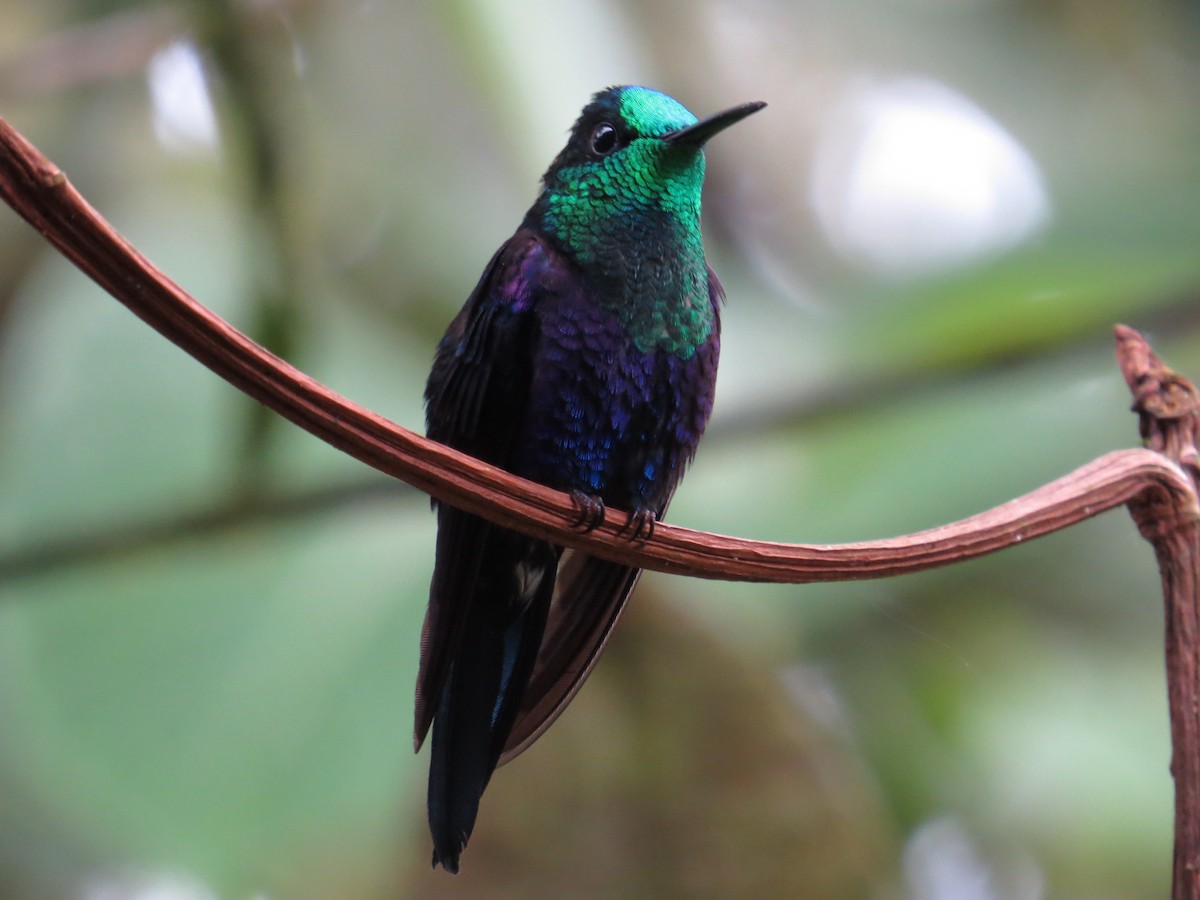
209, 620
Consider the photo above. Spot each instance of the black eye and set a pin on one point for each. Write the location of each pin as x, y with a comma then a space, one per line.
604, 139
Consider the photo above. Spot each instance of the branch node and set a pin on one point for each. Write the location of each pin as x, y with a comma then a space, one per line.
1167, 404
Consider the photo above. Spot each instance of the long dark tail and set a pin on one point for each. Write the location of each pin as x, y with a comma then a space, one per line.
501, 632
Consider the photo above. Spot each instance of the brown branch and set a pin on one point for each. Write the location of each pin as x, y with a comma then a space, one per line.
41, 194
1157, 483
1168, 408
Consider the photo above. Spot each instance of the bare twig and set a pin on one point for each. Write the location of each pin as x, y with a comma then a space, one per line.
1169, 412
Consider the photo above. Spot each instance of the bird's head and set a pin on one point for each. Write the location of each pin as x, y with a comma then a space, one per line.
634, 154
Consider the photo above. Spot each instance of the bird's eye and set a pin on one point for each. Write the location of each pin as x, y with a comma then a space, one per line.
604, 139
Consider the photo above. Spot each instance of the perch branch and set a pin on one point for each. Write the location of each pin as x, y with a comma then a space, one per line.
39, 191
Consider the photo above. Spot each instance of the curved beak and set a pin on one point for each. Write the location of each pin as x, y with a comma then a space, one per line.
696, 135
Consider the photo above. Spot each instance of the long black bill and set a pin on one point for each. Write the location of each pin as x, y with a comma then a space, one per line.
696, 135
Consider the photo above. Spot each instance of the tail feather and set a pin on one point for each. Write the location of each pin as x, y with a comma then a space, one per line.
459, 767
492, 663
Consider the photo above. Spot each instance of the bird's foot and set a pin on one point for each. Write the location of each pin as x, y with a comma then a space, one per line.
589, 509
639, 525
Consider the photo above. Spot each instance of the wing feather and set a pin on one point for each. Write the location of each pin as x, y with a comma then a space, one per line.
590, 595
475, 399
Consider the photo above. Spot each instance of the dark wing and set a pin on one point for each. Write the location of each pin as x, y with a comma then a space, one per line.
589, 598
475, 400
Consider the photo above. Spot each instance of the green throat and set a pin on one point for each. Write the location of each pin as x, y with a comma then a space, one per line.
631, 222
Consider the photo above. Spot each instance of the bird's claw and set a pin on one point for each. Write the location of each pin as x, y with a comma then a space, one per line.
639, 525
589, 511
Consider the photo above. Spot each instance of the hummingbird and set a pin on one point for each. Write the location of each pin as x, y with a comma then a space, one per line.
585, 359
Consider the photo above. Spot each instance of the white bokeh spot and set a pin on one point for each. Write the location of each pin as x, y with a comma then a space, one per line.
910, 178
184, 121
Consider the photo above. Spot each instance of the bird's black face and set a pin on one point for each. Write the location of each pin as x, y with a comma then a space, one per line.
599, 132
